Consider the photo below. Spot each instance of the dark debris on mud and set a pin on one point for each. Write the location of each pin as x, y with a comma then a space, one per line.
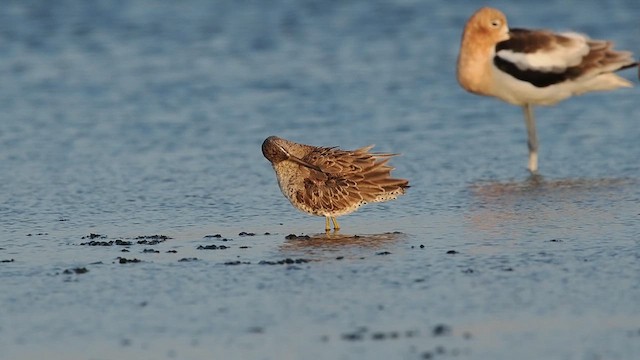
287, 261
78, 271
122, 260
140, 240
217, 236
297, 237
212, 247
363, 334
237, 263
7, 261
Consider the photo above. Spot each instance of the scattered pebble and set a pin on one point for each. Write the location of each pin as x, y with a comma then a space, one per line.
7, 261
243, 233
172, 251
452, 252
213, 236
383, 253
188, 259
154, 251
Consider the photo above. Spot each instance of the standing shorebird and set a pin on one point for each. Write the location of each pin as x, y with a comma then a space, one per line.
534, 67
329, 182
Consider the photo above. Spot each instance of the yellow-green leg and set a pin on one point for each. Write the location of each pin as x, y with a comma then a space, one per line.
336, 226
327, 226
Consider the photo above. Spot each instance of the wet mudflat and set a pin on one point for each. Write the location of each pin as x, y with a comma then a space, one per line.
140, 221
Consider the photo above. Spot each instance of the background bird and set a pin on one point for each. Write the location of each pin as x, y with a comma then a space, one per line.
329, 182
534, 67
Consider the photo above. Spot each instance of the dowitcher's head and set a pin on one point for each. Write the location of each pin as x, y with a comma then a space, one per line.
273, 148
276, 150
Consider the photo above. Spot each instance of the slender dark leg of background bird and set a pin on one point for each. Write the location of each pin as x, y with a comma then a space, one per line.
532, 138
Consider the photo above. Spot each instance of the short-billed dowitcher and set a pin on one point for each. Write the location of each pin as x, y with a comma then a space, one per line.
534, 67
329, 182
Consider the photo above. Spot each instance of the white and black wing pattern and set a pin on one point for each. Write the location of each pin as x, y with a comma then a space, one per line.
543, 58
539, 57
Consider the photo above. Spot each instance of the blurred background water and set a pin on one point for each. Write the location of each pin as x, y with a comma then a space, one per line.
132, 118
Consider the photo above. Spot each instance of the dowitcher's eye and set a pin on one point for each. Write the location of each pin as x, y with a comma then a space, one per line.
495, 23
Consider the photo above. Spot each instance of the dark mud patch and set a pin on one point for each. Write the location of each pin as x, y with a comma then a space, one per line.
218, 237
140, 240
383, 253
77, 271
150, 251
188, 259
212, 247
151, 239
441, 330
122, 260
452, 252
287, 261
256, 330
231, 263
363, 333
297, 237
92, 236
244, 233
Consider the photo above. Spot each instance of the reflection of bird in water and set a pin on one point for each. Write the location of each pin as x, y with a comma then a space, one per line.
319, 244
330, 182
534, 67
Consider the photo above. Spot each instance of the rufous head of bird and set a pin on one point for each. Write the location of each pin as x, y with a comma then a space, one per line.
488, 24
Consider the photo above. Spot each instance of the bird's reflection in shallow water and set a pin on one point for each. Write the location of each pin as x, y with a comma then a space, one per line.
539, 205
536, 185
336, 242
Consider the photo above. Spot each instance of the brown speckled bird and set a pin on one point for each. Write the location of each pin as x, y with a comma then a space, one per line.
329, 182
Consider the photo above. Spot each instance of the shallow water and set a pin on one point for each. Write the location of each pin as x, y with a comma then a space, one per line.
129, 119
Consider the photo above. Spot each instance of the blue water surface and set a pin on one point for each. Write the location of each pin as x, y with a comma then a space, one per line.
137, 118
